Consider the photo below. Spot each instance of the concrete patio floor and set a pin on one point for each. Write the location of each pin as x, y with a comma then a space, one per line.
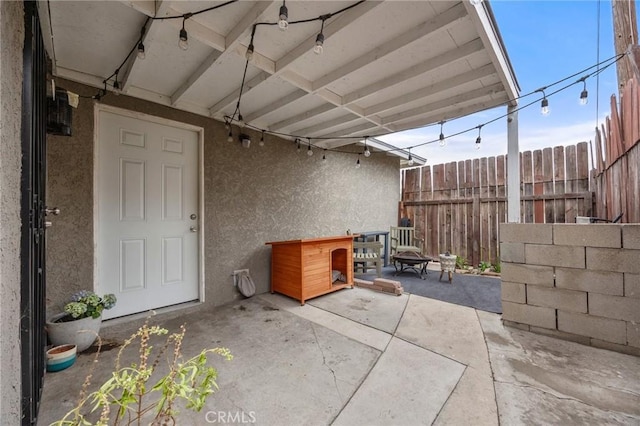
358, 357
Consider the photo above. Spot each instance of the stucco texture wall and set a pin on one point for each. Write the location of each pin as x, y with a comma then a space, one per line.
252, 196
11, 41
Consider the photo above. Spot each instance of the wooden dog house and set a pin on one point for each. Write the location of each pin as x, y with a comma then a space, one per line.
303, 269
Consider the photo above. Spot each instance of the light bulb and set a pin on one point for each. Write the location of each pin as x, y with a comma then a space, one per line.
249, 54
184, 39
141, 54
241, 122
410, 162
584, 97
478, 142
442, 141
366, 152
116, 88
324, 157
261, 143
544, 106
309, 151
282, 21
230, 137
317, 49
358, 164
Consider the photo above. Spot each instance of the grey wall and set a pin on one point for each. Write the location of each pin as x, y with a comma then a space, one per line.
11, 40
251, 196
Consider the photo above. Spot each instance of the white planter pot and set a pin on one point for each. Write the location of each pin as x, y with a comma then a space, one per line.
82, 332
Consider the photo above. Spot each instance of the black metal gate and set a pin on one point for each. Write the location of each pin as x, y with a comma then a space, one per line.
32, 304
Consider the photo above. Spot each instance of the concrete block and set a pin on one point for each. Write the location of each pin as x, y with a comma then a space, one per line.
566, 300
525, 327
630, 236
528, 274
632, 285
633, 334
542, 254
625, 349
514, 292
619, 260
537, 233
562, 335
606, 329
623, 308
512, 252
603, 282
527, 314
594, 235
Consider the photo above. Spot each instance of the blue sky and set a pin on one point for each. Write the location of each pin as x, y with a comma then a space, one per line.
546, 41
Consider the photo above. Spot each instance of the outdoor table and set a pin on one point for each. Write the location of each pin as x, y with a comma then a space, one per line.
412, 261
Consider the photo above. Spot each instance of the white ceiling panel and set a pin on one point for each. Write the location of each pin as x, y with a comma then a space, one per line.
386, 65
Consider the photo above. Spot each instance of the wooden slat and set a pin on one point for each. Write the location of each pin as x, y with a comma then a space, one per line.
538, 206
493, 211
571, 206
547, 184
527, 179
559, 183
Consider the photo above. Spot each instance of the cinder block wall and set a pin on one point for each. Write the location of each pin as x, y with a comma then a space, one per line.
572, 281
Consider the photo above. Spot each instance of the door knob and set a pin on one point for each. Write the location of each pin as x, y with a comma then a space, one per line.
54, 211
193, 229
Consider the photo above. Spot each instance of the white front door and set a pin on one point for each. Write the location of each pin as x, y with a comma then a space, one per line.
147, 218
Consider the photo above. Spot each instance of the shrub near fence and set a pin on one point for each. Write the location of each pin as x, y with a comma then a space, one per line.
458, 206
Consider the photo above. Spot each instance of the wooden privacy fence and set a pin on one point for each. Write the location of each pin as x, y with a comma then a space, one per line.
458, 206
616, 176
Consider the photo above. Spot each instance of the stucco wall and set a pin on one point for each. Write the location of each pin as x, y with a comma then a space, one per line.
251, 196
11, 40
575, 282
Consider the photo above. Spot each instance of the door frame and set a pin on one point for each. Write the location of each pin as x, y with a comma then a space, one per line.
98, 107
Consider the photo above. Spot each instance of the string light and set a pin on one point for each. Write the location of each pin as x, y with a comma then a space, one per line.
141, 53
317, 49
261, 143
442, 141
298, 144
410, 159
479, 138
116, 85
366, 152
309, 150
544, 105
324, 155
249, 54
358, 162
283, 23
584, 95
230, 135
183, 42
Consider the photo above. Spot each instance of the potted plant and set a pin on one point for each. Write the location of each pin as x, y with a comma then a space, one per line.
80, 322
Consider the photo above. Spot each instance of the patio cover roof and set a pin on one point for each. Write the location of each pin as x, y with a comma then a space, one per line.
386, 67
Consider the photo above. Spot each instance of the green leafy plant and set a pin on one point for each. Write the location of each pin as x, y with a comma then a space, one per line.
141, 391
461, 262
497, 268
483, 266
85, 304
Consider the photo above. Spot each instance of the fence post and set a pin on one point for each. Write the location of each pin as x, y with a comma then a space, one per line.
513, 166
